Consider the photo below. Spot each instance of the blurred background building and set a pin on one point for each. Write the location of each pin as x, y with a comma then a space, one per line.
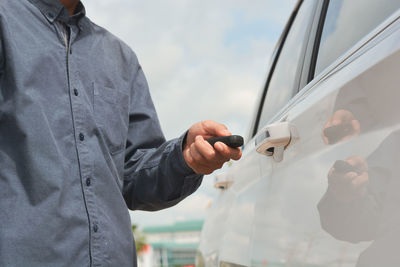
173, 245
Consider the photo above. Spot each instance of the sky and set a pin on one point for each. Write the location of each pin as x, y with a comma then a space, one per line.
203, 60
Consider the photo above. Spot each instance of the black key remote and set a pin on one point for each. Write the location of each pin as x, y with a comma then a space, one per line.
335, 133
343, 167
231, 141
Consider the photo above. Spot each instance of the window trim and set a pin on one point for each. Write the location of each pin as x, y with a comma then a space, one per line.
317, 41
275, 57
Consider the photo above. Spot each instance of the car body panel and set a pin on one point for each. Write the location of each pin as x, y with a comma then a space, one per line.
285, 213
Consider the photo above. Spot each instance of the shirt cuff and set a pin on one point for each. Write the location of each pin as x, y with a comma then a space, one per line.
185, 170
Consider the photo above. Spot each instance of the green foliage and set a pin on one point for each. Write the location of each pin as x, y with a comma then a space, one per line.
140, 239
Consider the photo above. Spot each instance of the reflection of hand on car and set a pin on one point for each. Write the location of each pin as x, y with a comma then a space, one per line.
340, 126
348, 179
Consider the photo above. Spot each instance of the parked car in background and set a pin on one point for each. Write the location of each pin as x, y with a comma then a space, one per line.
318, 183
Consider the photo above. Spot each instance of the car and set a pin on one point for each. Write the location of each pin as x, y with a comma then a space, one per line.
318, 183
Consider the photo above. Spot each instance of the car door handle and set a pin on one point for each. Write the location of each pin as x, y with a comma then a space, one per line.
273, 140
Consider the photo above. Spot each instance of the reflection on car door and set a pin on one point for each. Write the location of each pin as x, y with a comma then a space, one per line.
331, 200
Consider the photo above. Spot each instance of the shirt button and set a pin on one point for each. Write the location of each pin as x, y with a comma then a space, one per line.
95, 228
76, 92
88, 181
81, 137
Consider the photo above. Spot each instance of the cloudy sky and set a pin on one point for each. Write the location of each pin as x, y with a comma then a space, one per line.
203, 59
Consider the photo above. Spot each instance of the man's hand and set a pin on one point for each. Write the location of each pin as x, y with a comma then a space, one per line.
347, 185
200, 155
340, 127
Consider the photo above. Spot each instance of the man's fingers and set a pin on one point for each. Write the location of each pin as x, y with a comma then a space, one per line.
349, 181
204, 159
228, 152
344, 115
195, 163
204, 154
360, 180
341, 117
356, 126
325, 139
223, 151
358, 163
218, 154
337, 122
195, 153
188, 157
200, 155
204, 148
237, 154
215, 129
327, 125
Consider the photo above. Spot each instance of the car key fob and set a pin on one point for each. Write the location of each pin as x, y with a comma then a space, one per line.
343, 167
231, 140
335, 133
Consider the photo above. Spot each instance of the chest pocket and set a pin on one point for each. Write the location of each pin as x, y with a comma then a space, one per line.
110, 108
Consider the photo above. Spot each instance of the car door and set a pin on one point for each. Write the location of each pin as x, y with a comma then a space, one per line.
227, 233
329, 192
322, 190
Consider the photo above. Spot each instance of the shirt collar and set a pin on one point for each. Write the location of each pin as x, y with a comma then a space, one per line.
53, 10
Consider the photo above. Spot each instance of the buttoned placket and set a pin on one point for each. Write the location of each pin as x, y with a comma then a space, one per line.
81, 141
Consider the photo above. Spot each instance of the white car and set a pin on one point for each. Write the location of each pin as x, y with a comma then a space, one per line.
319, 183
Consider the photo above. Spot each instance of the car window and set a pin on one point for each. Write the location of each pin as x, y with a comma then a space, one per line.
346, 23
285, 77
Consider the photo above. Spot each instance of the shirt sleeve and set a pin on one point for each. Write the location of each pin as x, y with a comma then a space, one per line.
156, 175
361, 219
346, 221
1, 50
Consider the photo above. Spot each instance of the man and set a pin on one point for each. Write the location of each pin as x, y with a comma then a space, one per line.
80, 140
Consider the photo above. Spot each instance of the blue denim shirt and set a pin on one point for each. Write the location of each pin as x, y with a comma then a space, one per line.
80, 141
